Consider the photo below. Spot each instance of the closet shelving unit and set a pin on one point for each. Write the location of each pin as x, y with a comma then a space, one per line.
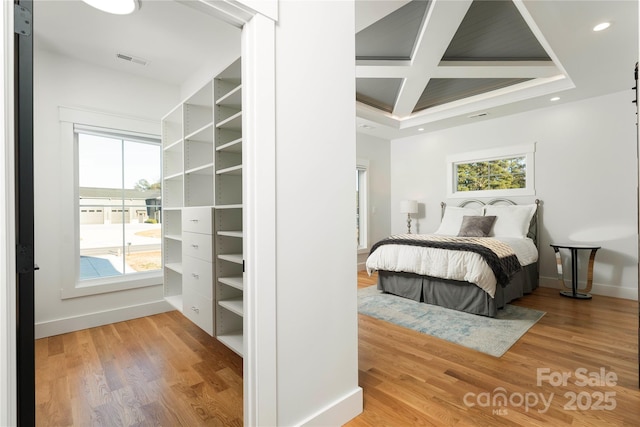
228, 213
202, 172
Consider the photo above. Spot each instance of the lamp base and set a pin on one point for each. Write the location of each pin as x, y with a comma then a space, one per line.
408, 223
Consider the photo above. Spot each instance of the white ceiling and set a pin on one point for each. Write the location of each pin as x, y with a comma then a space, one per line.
177, 40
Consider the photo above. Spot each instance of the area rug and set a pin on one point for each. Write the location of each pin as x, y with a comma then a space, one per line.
493, 336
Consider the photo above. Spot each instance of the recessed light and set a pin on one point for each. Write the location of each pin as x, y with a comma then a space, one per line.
602, 26
116, 7
366, 126
420, 129
555, 98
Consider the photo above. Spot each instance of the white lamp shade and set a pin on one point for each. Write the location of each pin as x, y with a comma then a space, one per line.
409, 206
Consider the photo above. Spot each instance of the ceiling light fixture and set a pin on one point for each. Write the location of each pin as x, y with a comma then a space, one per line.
420, 129
555, 98
602, 26
116, 7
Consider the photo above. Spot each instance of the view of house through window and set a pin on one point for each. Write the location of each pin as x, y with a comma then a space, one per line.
495, 174
119, 205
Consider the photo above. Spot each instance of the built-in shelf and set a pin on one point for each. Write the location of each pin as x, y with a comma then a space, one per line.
234, 305
233, 341
233, 98
235, 282
234, 122
173, 176
173, 146
201, 170
231, 206
235, 258
175, 266
205, 133
177, 237
175, 301
233, 170
234, 146
230, 233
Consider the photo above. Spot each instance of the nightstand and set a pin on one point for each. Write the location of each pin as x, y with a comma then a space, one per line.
574, 248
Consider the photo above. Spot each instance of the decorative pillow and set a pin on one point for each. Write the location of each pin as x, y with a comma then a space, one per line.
512, 221
476, 226
452, 219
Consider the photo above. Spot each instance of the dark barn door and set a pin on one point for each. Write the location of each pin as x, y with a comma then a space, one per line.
25, 267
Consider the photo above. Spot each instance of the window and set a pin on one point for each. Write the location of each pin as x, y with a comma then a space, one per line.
119, 203
507, 171
362, 207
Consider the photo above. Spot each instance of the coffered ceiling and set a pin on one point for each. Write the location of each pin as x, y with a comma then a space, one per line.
429, 64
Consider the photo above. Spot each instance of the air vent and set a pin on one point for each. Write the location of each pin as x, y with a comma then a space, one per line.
131, 58
473, 116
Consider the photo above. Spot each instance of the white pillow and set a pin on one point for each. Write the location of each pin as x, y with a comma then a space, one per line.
452, 219
511, 221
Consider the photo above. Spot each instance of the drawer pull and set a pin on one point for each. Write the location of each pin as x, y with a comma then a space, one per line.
193, 220
197, 276
197, 310
194, 246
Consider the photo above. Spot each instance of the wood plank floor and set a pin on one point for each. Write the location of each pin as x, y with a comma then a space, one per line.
163, 371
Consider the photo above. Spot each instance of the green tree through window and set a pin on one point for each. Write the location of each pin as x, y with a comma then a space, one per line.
497, 174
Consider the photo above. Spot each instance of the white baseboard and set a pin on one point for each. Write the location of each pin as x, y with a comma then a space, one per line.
362, 266
597, 289
91, 320
339, 412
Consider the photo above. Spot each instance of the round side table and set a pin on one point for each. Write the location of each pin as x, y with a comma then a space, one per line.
574, 248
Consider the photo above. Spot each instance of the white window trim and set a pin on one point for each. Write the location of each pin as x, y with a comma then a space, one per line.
363, 164
69, 253
526, 150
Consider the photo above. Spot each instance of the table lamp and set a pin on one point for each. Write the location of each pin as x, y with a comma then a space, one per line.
409, 207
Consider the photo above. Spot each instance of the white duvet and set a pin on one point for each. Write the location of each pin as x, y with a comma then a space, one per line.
447, 264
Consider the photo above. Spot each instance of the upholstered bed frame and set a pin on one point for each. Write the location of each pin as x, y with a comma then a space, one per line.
460, 295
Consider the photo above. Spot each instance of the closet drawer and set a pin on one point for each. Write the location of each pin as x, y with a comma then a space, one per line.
197, 220
197, 275
197, 245
199, 310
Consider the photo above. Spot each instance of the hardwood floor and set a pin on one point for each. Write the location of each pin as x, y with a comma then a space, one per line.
164, 371
411, 379
159, 370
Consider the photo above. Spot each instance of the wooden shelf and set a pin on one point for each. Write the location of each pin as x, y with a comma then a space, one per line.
235, 282
235, 258
234, 341
235, 305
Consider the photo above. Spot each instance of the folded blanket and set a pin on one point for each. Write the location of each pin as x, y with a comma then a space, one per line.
498, 255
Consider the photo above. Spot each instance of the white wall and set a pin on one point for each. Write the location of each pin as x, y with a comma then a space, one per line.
61, 81
317, 345
377, 151
585, 176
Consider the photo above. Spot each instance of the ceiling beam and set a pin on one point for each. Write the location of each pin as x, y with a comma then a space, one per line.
438, 28
495, 69
383, 71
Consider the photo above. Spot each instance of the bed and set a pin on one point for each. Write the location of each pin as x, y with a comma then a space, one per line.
483, 256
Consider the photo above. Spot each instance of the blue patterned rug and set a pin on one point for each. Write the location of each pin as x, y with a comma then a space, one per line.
493, 336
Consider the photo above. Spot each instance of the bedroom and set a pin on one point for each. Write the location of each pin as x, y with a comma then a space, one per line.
396, 221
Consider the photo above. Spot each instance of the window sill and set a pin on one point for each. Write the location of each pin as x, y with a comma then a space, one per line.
112, 284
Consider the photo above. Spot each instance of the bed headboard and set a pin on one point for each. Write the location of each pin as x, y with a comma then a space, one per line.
533, 225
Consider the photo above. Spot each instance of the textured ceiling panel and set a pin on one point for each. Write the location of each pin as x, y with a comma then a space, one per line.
494, 30
442, 91
379, 93
393, 36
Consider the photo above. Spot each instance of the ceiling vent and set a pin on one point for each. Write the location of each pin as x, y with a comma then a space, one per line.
473, 116
131, 58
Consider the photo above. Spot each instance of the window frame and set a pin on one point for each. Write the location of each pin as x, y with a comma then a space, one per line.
526, 150
362, 167
69, 254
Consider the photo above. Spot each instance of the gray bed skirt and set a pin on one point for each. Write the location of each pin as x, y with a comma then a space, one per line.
457, 295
